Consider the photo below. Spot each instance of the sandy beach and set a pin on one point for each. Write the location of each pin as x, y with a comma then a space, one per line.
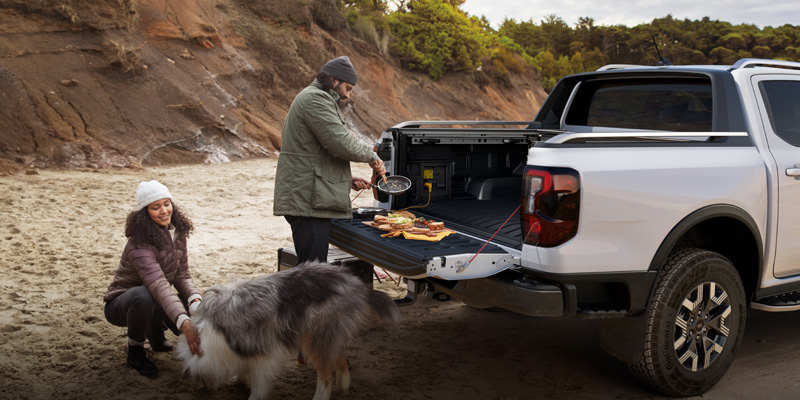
61, 236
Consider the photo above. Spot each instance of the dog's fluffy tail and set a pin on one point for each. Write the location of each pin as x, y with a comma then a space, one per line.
384, 306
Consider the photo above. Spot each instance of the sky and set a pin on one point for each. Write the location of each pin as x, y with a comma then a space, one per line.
630, 13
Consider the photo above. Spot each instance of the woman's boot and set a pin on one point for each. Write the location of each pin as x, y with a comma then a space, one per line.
137, 359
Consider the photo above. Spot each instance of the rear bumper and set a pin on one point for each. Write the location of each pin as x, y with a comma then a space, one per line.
585, 296
521, 296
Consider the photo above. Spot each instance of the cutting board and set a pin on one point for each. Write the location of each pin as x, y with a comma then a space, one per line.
388, 228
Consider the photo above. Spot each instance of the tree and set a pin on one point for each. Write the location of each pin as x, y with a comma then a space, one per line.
594, 59
557, 34
576, 62
723, 55
435, 36
526, 34
735, 41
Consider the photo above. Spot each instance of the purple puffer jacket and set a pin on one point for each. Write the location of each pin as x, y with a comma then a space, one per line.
158, 270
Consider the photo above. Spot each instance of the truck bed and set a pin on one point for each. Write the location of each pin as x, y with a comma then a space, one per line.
475, 181
478, 217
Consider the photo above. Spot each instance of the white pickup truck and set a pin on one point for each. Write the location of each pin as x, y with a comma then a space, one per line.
665, 200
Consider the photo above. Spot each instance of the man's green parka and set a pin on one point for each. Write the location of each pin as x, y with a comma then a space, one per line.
313, 175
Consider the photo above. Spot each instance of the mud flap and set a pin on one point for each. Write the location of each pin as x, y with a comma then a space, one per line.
623, 338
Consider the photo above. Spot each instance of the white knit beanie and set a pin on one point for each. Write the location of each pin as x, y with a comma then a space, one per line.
149, 192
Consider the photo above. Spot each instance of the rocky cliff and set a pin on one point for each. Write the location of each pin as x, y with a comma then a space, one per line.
130, 83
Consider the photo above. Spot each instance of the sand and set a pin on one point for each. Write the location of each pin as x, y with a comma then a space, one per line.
61, 238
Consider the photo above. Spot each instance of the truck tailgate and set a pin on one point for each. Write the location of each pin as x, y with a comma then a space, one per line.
446, 259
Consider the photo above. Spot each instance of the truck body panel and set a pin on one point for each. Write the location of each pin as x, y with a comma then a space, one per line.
632, 197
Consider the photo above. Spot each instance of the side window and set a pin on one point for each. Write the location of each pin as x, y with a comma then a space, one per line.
783, 108
681, 105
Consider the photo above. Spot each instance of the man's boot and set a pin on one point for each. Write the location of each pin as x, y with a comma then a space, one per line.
137, 359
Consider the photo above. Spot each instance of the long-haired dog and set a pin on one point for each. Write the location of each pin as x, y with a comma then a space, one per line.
249, 329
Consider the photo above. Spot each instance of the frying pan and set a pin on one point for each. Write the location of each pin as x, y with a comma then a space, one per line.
395, 184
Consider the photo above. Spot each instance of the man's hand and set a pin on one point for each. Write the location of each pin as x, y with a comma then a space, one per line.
192, 338
357, 183
378, 167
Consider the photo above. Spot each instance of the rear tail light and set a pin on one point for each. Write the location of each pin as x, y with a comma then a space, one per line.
550, 206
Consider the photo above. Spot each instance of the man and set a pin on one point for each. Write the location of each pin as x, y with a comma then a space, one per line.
313, 177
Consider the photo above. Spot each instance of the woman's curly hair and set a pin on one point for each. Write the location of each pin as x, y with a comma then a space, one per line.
142, 229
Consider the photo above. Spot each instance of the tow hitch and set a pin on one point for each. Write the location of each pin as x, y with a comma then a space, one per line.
415, 287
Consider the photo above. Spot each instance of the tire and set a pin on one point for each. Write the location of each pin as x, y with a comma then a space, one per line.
694, 324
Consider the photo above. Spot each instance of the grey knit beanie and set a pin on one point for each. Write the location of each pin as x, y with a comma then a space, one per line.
149, 192
341, 68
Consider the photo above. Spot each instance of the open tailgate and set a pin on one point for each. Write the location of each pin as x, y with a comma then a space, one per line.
447, 259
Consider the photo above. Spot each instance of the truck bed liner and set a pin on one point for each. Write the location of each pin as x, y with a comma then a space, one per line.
479, 218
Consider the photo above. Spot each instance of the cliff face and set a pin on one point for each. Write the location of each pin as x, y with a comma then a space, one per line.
129, 83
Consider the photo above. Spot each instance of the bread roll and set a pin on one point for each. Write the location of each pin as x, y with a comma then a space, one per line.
403, 225
435, 226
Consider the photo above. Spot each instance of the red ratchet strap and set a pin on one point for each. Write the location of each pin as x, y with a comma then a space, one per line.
490, 239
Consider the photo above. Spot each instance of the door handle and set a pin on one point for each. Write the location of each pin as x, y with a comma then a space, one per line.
794, 171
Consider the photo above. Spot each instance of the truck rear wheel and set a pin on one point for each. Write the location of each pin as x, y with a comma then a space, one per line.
694, 324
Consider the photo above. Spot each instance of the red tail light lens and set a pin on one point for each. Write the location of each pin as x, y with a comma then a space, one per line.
550, 206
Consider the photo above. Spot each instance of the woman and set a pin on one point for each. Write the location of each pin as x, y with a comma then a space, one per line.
152, 286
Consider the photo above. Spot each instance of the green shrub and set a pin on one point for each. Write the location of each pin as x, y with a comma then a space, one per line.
328, 14
499, 71
723, 55
510, 61
365, 29
548, 84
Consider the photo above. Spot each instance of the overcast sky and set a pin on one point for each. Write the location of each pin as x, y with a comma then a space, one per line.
630, 13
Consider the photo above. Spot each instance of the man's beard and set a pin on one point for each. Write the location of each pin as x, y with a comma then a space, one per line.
338, 90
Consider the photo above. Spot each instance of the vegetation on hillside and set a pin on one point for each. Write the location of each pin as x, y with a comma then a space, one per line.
437, 36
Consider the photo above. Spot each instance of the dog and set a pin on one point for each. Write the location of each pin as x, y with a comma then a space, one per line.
249, 329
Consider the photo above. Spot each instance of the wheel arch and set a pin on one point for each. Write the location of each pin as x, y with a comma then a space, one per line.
722, 228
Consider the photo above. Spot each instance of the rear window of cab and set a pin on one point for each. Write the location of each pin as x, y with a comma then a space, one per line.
670, 104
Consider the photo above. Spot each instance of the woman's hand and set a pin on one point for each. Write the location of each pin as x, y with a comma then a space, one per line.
192, 338
357, 183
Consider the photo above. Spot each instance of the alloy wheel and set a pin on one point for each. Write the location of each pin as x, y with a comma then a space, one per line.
701, 326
